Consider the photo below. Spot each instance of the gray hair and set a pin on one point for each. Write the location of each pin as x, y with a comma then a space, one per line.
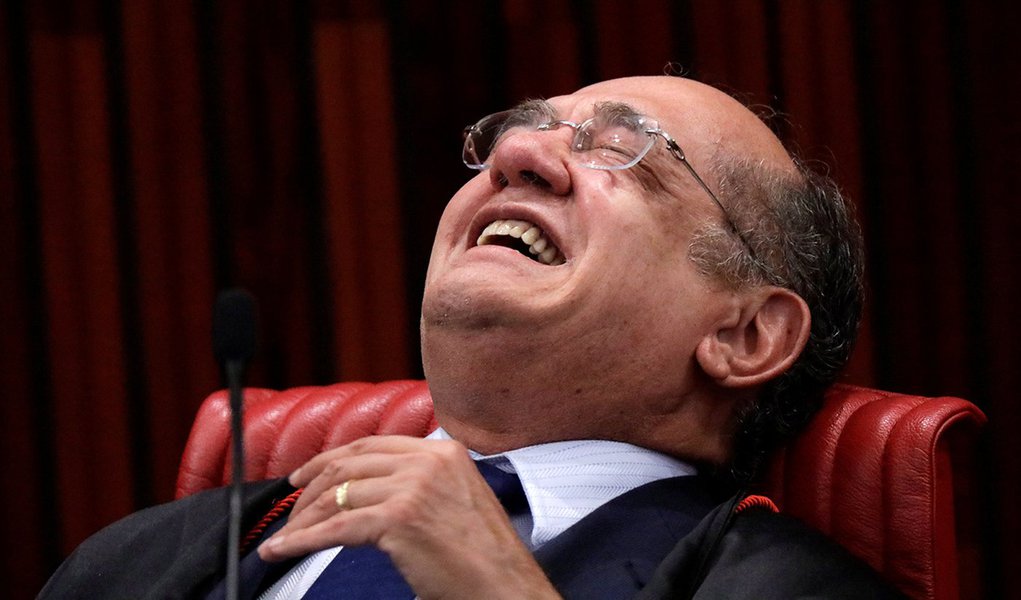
804, 237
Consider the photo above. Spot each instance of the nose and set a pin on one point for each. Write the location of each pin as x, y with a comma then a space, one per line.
534, 158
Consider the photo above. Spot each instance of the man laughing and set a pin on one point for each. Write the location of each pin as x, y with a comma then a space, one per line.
637, 296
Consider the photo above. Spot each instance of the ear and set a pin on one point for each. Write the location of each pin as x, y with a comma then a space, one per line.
763, 342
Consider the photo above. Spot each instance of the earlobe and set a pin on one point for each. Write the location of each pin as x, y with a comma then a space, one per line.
714, 357
764, 343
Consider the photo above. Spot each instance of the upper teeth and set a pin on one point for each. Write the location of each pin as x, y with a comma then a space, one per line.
538, 244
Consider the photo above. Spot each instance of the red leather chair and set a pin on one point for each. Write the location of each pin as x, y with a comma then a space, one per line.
886, 475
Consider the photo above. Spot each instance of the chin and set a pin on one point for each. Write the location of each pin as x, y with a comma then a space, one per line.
481, 309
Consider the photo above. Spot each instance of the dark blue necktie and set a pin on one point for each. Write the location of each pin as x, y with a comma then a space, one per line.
363, 572
366, 573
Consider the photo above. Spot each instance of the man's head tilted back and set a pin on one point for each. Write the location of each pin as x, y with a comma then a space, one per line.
696, 302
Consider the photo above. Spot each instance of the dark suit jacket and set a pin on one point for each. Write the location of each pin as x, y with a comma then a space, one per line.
666, 539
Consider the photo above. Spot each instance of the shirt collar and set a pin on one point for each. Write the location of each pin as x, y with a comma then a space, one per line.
565, 481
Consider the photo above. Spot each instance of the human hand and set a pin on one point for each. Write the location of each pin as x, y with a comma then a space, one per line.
424, 503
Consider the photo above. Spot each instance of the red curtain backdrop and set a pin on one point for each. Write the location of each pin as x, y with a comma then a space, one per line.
153, 153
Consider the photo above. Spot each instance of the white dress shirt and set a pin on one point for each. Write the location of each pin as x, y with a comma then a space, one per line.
563, 482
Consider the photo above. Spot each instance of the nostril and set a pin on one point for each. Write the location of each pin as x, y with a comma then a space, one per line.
498, 178
533, 178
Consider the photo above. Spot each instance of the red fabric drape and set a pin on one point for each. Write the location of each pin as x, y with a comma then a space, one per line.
152, 153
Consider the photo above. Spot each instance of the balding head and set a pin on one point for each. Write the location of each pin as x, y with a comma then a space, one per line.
707, 122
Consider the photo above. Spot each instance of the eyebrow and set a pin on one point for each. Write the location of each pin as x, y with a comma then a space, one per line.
617, 111
613, 111
536, 105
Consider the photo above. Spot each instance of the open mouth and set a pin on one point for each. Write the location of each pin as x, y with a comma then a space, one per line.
524, 237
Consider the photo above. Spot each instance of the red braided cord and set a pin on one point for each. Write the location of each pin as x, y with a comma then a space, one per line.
756, 501
278, 509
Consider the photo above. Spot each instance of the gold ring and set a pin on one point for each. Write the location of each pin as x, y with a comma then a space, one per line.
342, 495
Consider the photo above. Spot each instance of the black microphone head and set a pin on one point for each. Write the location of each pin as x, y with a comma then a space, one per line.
234, 325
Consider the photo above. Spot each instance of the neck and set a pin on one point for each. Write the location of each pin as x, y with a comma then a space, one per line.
695, 428
495, 393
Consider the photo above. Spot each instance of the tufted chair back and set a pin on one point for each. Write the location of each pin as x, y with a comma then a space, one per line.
886, 475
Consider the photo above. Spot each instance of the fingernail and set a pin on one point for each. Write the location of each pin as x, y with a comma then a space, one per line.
293, 477
273, 543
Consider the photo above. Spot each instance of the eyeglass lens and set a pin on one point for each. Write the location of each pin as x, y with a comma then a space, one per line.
604, 142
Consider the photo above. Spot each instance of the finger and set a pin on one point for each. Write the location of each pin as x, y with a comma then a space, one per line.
342, 529
325, 506
380, 444
345, 468
373, 457
362, 493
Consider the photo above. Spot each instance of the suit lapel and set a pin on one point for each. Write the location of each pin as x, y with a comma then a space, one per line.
613, 551
200, 550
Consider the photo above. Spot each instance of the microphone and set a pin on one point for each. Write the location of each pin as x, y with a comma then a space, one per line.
233, 346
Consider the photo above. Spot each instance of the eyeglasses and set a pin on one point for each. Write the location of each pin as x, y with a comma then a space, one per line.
612, 140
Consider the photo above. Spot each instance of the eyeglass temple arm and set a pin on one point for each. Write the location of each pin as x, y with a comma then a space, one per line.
675, 149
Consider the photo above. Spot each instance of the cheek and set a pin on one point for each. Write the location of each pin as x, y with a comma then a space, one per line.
467, 200
652, 283
455, 215
650, 249
640, 292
